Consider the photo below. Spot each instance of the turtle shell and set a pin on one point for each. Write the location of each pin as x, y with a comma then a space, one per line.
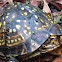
24, 28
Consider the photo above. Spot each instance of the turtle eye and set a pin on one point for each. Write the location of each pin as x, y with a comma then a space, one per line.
53, 41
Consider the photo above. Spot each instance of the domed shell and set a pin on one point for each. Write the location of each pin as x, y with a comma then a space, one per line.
24, 28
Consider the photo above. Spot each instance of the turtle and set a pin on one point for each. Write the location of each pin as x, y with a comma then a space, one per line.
24, 28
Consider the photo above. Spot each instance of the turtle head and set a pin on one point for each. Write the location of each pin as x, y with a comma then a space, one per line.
50, 44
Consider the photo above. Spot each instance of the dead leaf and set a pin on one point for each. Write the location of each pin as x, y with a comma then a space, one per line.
46, 7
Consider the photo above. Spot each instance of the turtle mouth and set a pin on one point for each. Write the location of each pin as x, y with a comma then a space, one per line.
49, 48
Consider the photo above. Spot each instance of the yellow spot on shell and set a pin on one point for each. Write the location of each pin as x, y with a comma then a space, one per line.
33, 10
43, 26
3, 35
8, 37
22, 51
27, 6
25, 26
36, 28
36, 16
22, 8
8, 8
51, 21
13, 16
19, 39
47, 24
0, 44
3, 30
4, 27
8, 13
6, 16
0, 24
54, 22
12, 4
8, 41
25, 13
4, 22
18, 26
28, 27
49, 15
12, 41
18, 20
44, 11
15, 6
15, 40
25, 21
41, 20
3, 18
29, 32
3, 43
32, 43
25, 31
45, 15
21, 36
10, 30
22, 14
46, 35
0, 40
39, 28
30, 11
14, 30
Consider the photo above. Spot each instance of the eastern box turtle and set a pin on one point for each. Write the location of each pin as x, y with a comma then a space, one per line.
24, 28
